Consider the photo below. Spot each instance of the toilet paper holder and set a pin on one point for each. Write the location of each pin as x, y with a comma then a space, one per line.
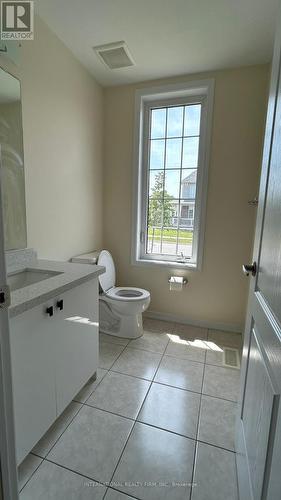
178, 279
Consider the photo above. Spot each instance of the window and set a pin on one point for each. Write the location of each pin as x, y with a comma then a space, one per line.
171, 154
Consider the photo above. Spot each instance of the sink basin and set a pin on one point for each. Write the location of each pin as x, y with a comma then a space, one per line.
28, 277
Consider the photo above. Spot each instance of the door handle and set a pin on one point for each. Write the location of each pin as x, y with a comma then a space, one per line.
250, 268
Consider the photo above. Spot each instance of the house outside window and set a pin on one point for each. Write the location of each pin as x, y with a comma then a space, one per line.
171, 159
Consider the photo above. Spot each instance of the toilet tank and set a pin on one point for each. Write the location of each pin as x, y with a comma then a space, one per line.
86, 258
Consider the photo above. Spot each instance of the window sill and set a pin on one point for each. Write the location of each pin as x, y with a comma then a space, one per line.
166, 263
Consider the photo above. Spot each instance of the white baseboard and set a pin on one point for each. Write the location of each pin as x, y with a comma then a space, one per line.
226, 327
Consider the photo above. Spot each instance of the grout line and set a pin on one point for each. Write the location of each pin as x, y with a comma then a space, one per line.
74, 471
123, 449
110, 412
187, 359
114, 488
70, 422
104, 377
197, 432
136, 420
85, 404
151, 382
105, 484
42, 460
124, 347
146, 350
167, 430
133, 376
187, 390
176, 387
221, 399
169, 385
147, 425
164, 353
102, 341
98, 383
193, 469
196, 440
215, 446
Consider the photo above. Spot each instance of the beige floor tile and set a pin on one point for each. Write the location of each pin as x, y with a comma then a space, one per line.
137, 363
171, 409
221, 382
52, 482
215, 474
92, 444
120, 394
108, 354
180, 373
217, 422
158, 457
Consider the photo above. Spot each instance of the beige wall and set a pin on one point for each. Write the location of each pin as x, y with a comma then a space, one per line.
218, 294
62, 124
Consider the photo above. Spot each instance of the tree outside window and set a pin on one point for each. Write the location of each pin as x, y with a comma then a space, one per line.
161, 206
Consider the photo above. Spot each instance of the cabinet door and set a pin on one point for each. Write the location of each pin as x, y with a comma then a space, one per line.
32, 353
76, 341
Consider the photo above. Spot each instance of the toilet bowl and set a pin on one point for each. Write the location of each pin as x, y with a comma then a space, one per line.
120, 308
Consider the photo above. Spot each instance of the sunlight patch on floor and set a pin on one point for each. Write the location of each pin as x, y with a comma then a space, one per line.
201, 344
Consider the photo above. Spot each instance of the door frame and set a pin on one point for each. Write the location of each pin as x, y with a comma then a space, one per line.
245, 490
8, 465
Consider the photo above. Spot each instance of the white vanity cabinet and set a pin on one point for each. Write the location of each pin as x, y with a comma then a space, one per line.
53, 356
76, 341
33, 377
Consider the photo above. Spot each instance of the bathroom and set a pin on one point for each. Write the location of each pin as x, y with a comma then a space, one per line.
131, 348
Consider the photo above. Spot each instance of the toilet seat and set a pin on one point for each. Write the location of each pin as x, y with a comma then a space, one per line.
121, 307
107, 283
127, 294
106, 280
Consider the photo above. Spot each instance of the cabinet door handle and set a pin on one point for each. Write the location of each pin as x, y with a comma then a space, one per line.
50, 311
60, 304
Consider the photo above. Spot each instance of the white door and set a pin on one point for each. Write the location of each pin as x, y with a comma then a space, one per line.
258, 438
8, 468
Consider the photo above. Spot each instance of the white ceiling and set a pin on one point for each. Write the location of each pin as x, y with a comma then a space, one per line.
165, 37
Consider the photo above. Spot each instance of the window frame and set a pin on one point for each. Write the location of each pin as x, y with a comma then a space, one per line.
170, 95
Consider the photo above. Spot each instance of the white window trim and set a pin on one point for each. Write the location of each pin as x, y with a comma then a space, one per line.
183, 92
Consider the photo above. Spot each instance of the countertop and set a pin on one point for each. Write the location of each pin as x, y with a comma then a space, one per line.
42, 291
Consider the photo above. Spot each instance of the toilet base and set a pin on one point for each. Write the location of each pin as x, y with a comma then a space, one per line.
129, 327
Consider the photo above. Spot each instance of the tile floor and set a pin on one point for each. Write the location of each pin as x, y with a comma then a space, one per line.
158, 423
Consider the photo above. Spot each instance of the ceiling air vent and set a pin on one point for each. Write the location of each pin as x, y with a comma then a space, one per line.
114, 55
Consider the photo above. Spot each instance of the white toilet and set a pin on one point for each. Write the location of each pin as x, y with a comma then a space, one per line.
120, 308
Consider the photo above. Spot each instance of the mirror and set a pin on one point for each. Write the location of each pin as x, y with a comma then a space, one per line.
12, 162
